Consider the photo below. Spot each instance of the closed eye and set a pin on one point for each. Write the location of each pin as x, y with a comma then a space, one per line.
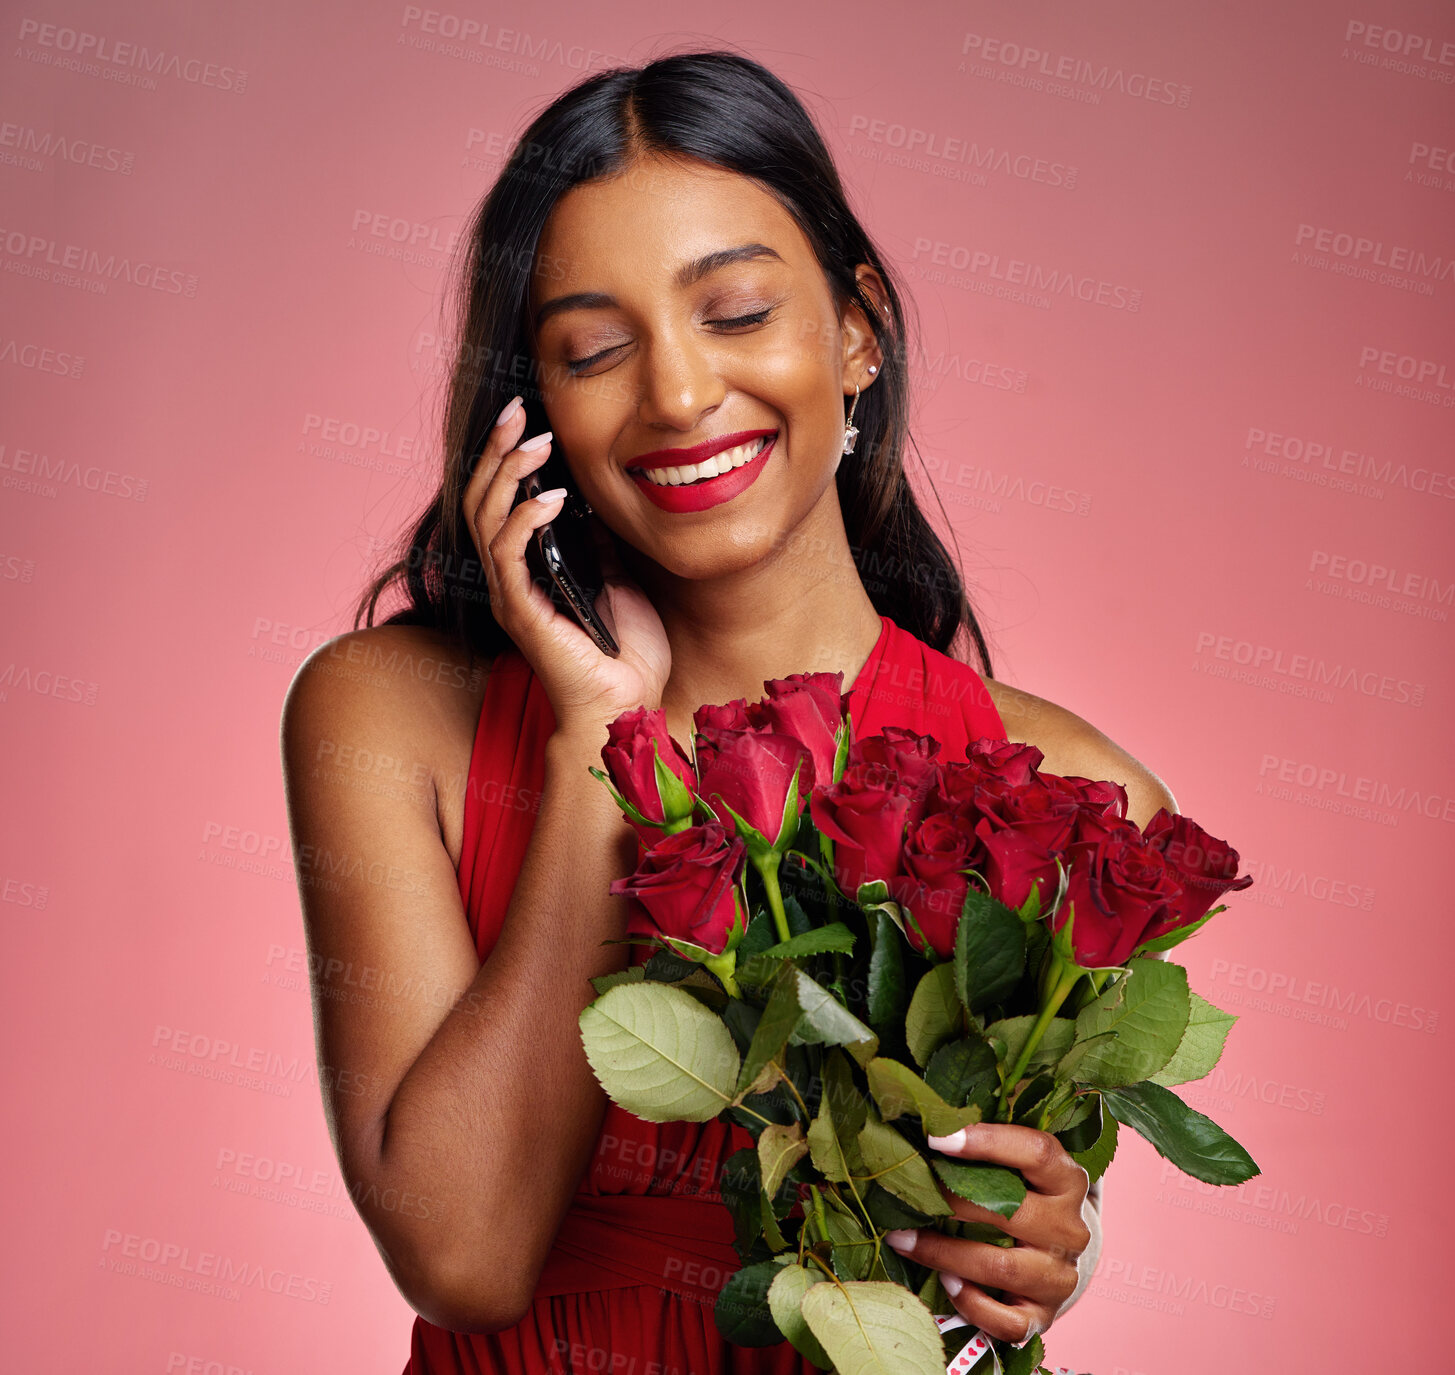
737, 322
578, 364
756, 318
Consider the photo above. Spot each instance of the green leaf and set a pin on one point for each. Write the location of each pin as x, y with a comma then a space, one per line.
846, 1104
741, 1019
667, 966
760, 935
772, 1232
874, 1328
705, 989
1174, 938
932, 1295
890, 1265
1078, 1124
659, 1053
785, 1300
774, 1027
826, 1021
1000, 1190
742, 1311
1192, 1142
1040, 1095
852, 1251
632, 974
965, 1071
1022, 1360
898, 1167
1016, 1031
1067, 1065
780, 1148
886, 973
1200, 1047
1096, 1157
799, 922
887, 1212
1148, 1009
990, 951
834, 936
935, 1013
834, 1155
898, 1089
742, 1193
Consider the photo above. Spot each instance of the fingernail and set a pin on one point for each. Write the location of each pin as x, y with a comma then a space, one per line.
535, 441
954, 1142
953, 1283
545, 498
511, 406
901, 1239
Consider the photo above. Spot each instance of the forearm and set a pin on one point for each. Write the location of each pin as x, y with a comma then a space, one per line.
498, 1116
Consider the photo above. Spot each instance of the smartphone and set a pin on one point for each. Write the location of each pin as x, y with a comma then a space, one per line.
562, 560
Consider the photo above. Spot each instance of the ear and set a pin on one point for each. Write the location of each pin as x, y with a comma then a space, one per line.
861, 349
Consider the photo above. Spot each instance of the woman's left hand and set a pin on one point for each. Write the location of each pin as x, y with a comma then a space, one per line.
1039, 1273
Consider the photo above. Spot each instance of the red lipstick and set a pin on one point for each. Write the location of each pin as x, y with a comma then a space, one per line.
676, 458
699, 496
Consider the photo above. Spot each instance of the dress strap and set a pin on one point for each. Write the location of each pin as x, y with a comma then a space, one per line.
502, 792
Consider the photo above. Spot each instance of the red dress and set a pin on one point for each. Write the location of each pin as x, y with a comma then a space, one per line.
646, 1245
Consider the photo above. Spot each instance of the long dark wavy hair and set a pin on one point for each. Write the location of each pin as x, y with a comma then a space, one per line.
729, 111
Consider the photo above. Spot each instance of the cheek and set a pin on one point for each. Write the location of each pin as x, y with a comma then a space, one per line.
808, 346
792, 374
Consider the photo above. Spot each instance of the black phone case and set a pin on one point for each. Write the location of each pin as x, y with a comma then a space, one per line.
566, 568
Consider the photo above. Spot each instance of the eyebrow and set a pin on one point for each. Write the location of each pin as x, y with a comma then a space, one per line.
684, 277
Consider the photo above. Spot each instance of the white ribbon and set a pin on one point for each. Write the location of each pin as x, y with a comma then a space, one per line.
974, 1349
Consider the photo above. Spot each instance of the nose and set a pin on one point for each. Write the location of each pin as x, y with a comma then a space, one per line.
680, 385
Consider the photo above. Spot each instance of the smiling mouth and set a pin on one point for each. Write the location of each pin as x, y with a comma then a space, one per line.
691, 474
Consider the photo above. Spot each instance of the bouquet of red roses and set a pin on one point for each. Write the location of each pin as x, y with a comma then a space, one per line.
861, 944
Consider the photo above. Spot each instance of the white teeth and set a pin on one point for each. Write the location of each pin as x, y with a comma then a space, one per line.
710, 467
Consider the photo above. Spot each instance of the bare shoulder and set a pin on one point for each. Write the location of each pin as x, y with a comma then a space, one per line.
389, 707
1073, 746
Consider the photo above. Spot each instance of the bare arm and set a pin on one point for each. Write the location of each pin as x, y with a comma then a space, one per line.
461, 1105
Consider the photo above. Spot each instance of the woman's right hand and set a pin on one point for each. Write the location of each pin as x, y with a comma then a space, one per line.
587, 689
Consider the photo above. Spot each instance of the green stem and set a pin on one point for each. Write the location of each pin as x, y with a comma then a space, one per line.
769, 872
816, 1212
793, 1089
723, 966
1063, 981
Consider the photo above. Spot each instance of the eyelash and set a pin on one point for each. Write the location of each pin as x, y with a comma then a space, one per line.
738, 321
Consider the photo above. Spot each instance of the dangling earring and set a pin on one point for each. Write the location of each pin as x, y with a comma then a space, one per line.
851, 434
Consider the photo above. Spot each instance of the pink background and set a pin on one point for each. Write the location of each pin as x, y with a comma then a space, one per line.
1205, 502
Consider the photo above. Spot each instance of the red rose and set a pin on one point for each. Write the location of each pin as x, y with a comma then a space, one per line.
751, 771
1007, 760
864, 815
1015, 861
992, 767
1110, 799
1044, 812
1119, 885
730, 716
1205, 869
627, 755
931, 886
810, 707
910, 756
685, 888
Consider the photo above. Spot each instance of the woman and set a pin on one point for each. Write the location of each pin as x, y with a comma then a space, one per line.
666, 263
